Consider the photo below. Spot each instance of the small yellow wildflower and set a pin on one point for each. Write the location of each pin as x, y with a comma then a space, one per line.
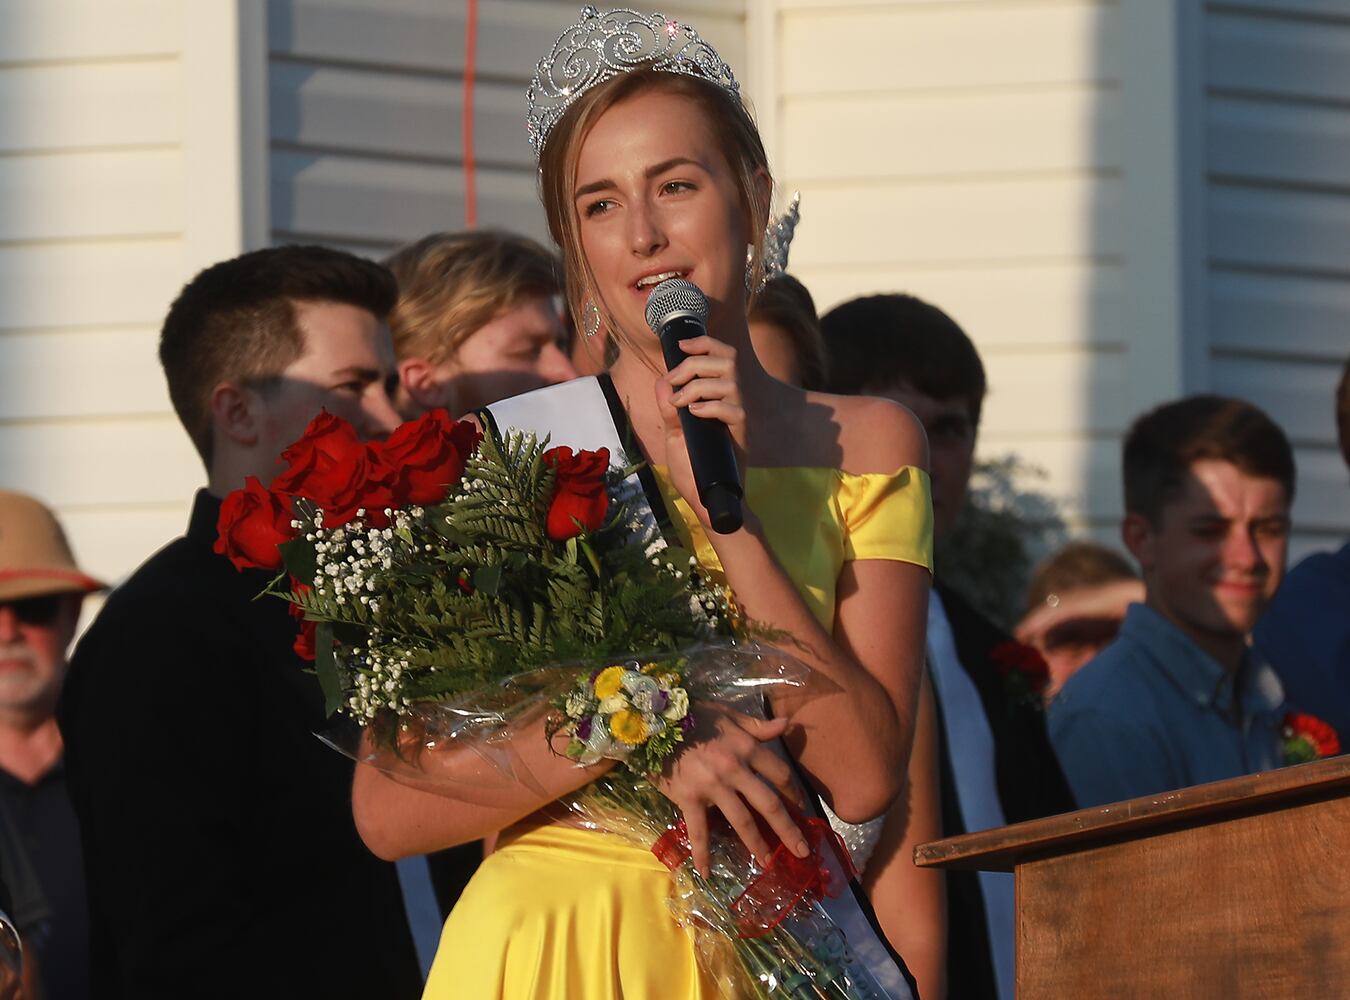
628, 727
609, 682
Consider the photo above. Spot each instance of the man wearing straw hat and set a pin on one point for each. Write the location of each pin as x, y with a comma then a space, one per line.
41, 590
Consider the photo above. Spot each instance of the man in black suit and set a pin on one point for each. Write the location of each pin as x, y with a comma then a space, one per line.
996, 762
221, 855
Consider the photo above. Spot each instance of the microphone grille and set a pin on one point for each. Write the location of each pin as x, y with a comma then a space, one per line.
672, 296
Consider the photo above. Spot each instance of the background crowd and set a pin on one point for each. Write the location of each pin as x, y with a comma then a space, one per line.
149, 824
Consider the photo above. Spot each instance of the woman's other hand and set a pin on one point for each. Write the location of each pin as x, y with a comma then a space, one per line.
727, 764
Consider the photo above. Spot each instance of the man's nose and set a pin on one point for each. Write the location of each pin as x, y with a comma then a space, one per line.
555, 366
9, 624
1240, 550
380, 416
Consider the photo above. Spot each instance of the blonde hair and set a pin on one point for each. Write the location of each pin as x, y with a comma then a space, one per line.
452, 284
737, 136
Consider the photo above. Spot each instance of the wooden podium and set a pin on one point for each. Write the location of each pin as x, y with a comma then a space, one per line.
1237, 889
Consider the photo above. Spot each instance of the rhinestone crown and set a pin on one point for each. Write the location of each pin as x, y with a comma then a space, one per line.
778, 237
604, 45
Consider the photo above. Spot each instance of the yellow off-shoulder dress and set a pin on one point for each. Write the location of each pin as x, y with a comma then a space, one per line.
557, 913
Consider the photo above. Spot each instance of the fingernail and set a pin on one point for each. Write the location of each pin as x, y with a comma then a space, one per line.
800, 849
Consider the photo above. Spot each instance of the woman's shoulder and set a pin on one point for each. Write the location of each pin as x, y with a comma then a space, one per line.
872, 435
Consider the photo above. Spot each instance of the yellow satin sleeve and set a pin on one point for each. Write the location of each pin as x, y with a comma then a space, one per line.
888, 516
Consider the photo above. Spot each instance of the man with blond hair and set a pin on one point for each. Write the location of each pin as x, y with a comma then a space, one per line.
41, 591
477, 321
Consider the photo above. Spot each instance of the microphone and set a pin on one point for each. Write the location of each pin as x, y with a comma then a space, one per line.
677, 310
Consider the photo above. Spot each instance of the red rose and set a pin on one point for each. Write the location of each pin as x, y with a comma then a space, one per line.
1320, 736
333, 468
579, 500
304, 641
1026, 660
252, 523
427, 455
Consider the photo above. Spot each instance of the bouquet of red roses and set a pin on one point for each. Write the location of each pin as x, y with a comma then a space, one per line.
455, 589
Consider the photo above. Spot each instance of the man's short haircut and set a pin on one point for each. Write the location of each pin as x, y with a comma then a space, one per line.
785, 302
235, 321
1343, 412
874, 343
1163, 444
452, 284
1078, 564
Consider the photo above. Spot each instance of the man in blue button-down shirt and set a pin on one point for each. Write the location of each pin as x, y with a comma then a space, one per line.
1180, 697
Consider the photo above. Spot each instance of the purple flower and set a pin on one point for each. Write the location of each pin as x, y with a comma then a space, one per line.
687, 723
660, 700
584, 729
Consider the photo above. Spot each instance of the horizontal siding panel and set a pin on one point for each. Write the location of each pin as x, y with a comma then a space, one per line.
395, 114
1074, 129
1320, 502
62, 373
48, 30
1082, 473
1282, 58
1005, 220
428, 34
88, 284
1299, 396
1283, 143
1305, 8
1282, 315
106, 461
1289, 230
52, 108
897, 48
109, 543
91, 195
1001, 308
371, 200
1047, 391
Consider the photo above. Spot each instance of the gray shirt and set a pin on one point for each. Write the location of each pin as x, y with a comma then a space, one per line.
1154, 712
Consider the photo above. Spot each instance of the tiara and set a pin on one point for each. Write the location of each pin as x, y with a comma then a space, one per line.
601, 46
778, 237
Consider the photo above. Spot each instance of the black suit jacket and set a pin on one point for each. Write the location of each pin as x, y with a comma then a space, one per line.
1030, 785
220, 851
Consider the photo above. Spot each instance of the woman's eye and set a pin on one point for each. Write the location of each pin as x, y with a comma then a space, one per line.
675, 187
598, 207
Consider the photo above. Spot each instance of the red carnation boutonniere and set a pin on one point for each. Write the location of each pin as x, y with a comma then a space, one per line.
1024, 671
1306, 737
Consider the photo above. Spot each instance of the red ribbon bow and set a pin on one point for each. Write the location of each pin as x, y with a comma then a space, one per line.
786, 880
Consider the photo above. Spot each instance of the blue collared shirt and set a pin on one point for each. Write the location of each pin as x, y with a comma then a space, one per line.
1153, 712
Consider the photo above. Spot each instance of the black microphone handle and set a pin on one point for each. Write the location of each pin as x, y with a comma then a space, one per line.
709, 441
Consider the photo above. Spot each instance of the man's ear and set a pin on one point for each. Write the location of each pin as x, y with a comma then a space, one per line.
423, 383
1140, 539
237, 413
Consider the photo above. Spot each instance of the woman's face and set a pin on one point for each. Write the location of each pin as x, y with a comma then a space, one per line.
655, 198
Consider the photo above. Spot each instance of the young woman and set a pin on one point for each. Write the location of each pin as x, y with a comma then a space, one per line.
652, 168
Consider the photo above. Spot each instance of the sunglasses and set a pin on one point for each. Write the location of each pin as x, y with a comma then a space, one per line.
35, 610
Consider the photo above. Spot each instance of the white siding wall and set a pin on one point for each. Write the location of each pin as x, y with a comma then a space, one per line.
366, 102
1277, 211
119, 178
971, 153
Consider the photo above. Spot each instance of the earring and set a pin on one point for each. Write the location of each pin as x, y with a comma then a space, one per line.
590, 319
